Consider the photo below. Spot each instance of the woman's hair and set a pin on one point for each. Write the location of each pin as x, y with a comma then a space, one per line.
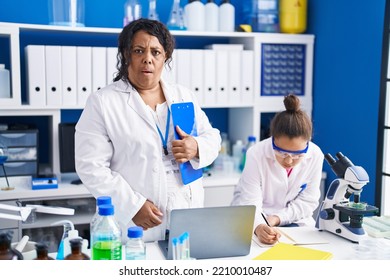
125, 40
293, 122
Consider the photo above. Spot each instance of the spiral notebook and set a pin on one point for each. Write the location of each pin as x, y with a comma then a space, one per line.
183, 115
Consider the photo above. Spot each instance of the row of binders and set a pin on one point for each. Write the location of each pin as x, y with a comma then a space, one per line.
220, 77
64, 76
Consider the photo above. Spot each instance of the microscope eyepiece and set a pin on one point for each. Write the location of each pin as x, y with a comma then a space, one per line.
330, 159
340, 165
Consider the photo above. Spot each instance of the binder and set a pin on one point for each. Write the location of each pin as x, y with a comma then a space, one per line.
36, 75
99, 66
222, 63
209, 74
196, 64
169, 72
183, 67
247, 77
53, 75
111, 61
234, 77
183, 115
69, 76
84, 74
284, 251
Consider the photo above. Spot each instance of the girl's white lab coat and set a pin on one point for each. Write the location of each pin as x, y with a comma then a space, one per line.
118, 152
265, 184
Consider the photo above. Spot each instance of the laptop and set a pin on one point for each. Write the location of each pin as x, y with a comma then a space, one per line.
214, 232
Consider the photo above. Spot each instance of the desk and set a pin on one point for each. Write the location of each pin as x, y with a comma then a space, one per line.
342, 249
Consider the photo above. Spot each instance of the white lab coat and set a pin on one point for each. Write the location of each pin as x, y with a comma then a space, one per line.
265, 184
118, 151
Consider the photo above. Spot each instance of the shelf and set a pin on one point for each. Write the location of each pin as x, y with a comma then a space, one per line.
48, 220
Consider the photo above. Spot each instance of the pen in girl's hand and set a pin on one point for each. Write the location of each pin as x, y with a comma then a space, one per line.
266, 221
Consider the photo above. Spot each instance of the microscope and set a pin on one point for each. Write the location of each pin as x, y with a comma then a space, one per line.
337, 213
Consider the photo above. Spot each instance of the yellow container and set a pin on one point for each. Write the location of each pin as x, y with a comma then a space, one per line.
292, 16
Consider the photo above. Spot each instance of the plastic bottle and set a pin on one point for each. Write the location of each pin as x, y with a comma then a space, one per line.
101, 200
265, 16
152, 13
211, 16
237, 154
106, 236
195, 14
73, 234
5, 89
42, 251
133, 11
68, 226
135, 246
251, 142
176, 21
6, 251
76, 252
292, 16
226, 16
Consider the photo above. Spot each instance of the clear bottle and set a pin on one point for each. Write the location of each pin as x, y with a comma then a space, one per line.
106, 236
152, 13
211, 16
6, 251
226, 16
76, 251
251, 142
42, 251
100, 200
135, 246
265, 16
176, 21
133, 11
237, 154
5, 89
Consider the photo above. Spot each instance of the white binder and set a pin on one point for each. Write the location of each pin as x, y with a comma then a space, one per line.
222, 63
111, 53
99, 67
35, 73
169, 73
196, 64
234, 77
209, 74
183, 67
53, 75
69, 75
84, 74
247, 77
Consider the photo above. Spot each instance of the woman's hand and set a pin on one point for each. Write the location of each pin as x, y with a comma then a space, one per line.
266, 234
148, 216
185, 149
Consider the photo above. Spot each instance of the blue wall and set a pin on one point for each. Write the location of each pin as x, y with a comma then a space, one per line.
347, 62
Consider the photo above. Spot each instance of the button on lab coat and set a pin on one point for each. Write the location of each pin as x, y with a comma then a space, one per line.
265, 184
118, 151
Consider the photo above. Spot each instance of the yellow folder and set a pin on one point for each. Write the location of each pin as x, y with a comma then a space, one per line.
284, 251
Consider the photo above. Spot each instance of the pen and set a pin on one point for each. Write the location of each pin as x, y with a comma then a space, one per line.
266, 221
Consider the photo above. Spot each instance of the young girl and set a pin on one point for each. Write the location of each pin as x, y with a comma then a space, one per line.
282, 174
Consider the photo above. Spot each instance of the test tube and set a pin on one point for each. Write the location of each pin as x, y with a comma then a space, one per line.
175, 249
185, 246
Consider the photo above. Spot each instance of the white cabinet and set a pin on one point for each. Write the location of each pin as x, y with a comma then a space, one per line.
244, 117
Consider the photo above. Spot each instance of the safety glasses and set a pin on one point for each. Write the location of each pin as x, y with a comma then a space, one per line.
295, 155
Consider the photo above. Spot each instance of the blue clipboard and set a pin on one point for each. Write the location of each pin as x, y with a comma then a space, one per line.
183, 115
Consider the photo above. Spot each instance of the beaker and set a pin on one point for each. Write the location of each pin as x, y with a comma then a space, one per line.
66, 12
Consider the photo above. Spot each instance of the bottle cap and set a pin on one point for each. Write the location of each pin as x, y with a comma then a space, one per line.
73, 234
76, 242
135, 232
251, 138
40, 246
101, 200
106, 210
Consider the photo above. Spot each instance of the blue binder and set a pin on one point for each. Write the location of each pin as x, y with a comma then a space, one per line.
183, 115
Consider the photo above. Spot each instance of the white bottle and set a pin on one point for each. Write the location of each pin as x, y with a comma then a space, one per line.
226, 16
135, 246
5, 89
237, 154
152, 13
211, 16
195, 13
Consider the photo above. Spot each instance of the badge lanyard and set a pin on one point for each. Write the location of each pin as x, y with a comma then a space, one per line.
164, 141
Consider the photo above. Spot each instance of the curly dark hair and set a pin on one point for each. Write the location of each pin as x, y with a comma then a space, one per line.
152, 27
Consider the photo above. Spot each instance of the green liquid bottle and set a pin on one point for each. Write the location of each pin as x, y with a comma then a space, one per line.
106, 235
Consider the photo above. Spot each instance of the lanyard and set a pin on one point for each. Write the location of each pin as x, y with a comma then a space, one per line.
164, 141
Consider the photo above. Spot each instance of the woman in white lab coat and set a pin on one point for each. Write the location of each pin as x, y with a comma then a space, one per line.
282, 174
124, 141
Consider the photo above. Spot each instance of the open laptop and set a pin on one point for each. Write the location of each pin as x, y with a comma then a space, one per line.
214, 232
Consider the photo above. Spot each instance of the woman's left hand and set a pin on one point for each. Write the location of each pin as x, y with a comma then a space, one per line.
185, 149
